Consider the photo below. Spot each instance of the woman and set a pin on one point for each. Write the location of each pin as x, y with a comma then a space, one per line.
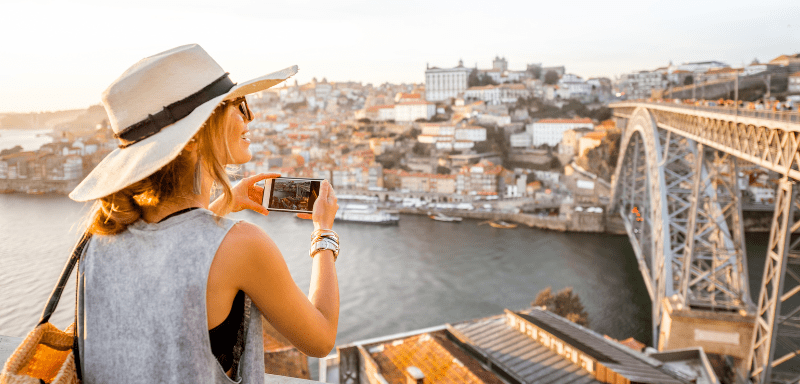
166, 283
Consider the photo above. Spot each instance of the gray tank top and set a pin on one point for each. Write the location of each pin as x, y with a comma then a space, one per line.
142, 306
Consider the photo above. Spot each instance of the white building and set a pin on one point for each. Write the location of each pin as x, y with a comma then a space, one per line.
454, 145
498, 120
754, 69
413, 110
489, 94
794, 82
551, 131
381, 112
520, 140
640, 85
323, 90
470, 133
574, 87
437, 129
702, 66
445, 83
73, 168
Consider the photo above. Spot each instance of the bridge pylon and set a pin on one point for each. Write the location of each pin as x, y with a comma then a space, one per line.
775, 353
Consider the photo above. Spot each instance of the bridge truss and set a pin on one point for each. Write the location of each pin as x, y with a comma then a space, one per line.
676, 188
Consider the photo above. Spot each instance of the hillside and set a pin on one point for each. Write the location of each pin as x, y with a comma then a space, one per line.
66, 120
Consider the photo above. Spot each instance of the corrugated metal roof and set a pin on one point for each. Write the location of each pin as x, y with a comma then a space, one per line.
520, 357
635, 366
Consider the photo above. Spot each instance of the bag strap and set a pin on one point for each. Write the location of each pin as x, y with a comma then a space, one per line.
55, 296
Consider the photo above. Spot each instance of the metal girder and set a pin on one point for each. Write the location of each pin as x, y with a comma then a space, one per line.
773, 358
714, 272
678, 164
772, 144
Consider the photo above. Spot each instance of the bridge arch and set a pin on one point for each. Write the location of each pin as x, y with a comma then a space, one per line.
639, 195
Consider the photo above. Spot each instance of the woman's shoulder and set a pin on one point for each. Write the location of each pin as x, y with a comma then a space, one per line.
245, 236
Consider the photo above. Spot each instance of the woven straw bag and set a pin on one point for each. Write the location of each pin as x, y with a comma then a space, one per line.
48, 355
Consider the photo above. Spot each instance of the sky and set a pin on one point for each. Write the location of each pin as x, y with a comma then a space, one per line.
60, 55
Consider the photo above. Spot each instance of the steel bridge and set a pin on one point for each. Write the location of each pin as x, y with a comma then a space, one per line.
677, 189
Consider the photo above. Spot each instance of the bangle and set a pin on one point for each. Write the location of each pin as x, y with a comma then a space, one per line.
324, 233
322, 245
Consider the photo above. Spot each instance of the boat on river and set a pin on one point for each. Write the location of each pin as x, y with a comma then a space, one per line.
442, 217
366, 213
499, 224
502, 224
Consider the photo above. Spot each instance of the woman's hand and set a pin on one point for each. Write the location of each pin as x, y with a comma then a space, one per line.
325, 207
248, 195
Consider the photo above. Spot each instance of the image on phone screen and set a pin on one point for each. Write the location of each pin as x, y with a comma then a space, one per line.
297, 195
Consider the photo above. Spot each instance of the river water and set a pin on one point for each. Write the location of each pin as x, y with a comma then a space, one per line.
392, 279
29, 140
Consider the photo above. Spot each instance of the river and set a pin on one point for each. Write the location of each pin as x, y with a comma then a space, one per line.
392, 279
29, 140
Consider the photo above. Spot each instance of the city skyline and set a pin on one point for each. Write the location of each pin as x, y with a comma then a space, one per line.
65, 57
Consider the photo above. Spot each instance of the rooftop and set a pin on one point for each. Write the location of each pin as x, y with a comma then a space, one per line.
565, 121
439, 360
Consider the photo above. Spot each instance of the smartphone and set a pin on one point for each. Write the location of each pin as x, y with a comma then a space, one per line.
290, 194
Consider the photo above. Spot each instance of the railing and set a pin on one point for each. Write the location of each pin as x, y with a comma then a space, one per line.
785, 116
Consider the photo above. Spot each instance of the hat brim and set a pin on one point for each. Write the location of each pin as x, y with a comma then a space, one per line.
123, 167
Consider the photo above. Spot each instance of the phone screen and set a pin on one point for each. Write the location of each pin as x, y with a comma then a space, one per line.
288, 194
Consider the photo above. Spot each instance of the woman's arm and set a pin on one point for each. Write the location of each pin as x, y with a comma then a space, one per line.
249, 260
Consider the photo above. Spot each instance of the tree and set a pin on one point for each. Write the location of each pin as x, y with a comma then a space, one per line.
551, 77
477, 79
11, 151
688, 80
565, 304
555, 163
442, 170
535, 71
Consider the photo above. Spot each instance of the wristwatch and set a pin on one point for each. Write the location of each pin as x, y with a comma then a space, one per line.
322, 244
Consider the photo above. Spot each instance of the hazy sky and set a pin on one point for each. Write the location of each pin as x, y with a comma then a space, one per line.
63, 54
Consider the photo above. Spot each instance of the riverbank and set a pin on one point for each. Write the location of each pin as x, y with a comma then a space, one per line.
583, 223
754, 222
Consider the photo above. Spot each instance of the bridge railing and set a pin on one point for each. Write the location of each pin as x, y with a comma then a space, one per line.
786, 116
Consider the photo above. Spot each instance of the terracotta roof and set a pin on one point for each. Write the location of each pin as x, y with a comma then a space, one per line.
415, 103
796, 74
565, 121
439, 359
595, 135
427, 175
724, 70
377, 107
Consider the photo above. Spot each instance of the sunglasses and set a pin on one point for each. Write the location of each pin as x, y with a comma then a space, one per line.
244, 109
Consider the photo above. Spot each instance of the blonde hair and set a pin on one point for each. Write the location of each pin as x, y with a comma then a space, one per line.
113, 214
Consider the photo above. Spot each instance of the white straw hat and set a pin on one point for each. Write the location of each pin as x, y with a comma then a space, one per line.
156, 107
